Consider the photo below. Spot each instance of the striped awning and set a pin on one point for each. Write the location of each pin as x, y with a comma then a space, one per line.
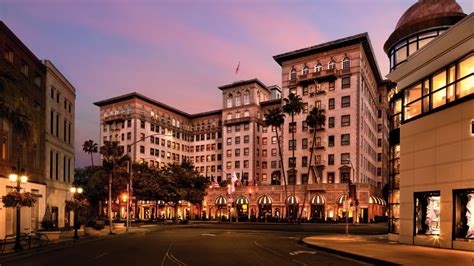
292, 200
241, 200
264, 200
343, 197
377, 200
220, 201
161, 203
318, 200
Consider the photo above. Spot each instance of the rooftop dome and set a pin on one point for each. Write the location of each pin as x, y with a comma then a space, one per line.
425, 14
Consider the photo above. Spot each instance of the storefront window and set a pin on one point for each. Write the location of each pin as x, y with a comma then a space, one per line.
464, 213
427, 213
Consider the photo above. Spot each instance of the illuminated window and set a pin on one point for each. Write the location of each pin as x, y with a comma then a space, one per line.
427, 213
438, 97
466, 73
463, 213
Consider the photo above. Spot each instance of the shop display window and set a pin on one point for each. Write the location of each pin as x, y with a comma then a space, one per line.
427, 213
463, 200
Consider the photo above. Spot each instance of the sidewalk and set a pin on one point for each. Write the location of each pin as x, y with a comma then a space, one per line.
378, 250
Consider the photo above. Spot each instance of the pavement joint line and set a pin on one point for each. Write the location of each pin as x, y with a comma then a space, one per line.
267, 249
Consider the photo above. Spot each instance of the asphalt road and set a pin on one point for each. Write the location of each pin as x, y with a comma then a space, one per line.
202, 244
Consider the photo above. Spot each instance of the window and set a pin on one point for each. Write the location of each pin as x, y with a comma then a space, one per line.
274, 164
142, 124
24, 68
332, 85
427, 213
332, 103
264, 141
346, 82
237, 164
345, 101
331, 141
293, 74
292, 144
237, 99
229, 141
246, 151
292, 127
304, 125
305, 90
292, 162
142, 149
318, 68
345, 139
246, 139
379, 143
331, 176
246, 127
345, 158
304, 161
331, 121
37, 80
228, 152
229, 100
129, 123
304, 143
465, 74
304, 178
246, 163
246, 114
332, 64
237, 140
305, 108
345, 120
8, 55
330, 159
305, 70
346, 63
237, 152
274, 152
264, 153
274, 140
379, 157
463, 200
246, 97
229, 165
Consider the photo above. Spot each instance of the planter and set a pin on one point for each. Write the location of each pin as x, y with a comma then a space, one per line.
53, 236
90, 231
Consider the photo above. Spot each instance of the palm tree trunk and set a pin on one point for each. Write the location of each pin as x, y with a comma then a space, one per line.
110, 204
309, 171
92, 159
282, 169
293, 153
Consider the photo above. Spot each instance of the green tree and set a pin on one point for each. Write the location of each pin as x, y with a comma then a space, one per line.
316, 119
90, 147
182, 182
113, 162
293, 106
275, 118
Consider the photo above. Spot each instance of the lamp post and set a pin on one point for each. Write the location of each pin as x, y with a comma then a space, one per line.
75, 191
130, 171
18, 180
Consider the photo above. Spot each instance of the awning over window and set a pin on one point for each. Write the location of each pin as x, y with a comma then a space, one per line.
241, 200
340, 200
292, 200
264, 200
377, 200
318, 200
221, 201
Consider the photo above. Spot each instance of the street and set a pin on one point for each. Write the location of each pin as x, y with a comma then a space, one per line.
203, 244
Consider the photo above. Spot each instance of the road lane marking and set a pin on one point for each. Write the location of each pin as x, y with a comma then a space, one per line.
294, 253
163, 261
175, 260
267, 249
208, 235
100, 256
299, 262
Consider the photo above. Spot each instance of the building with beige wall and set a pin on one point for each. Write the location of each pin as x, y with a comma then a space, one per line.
432, 139
340, 77
59, 146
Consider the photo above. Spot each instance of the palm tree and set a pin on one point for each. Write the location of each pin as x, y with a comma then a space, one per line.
315, 120
90, 147
293, 105
275, 118
112, 154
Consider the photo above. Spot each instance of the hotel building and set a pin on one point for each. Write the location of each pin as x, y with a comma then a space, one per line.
340, 77
432, 126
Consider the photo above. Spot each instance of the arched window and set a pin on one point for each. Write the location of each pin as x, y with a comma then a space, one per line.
237, 99
305, 70
346, 63
293, 74
332, 64
246, 113
229, 101
318, 68
246, 97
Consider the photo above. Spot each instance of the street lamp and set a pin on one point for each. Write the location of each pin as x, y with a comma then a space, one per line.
130, 184
75, 191
23, 179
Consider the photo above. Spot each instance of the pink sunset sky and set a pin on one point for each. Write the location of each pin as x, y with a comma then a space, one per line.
179, 51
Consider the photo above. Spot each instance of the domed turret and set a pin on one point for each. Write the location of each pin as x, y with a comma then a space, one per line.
420, 24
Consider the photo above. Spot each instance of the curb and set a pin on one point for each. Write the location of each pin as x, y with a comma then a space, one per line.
58, 246
346, 254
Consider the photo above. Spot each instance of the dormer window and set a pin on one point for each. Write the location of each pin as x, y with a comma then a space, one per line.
293, 74
332, 64
346, 63
318, 68
305, 70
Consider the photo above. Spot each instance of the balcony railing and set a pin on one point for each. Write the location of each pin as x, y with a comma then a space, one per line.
235, 121
116, 117
320, 163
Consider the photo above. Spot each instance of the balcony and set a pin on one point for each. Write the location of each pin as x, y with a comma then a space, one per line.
115, 118
321, 91
345, 71
320, 163
236, 121
320, 145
